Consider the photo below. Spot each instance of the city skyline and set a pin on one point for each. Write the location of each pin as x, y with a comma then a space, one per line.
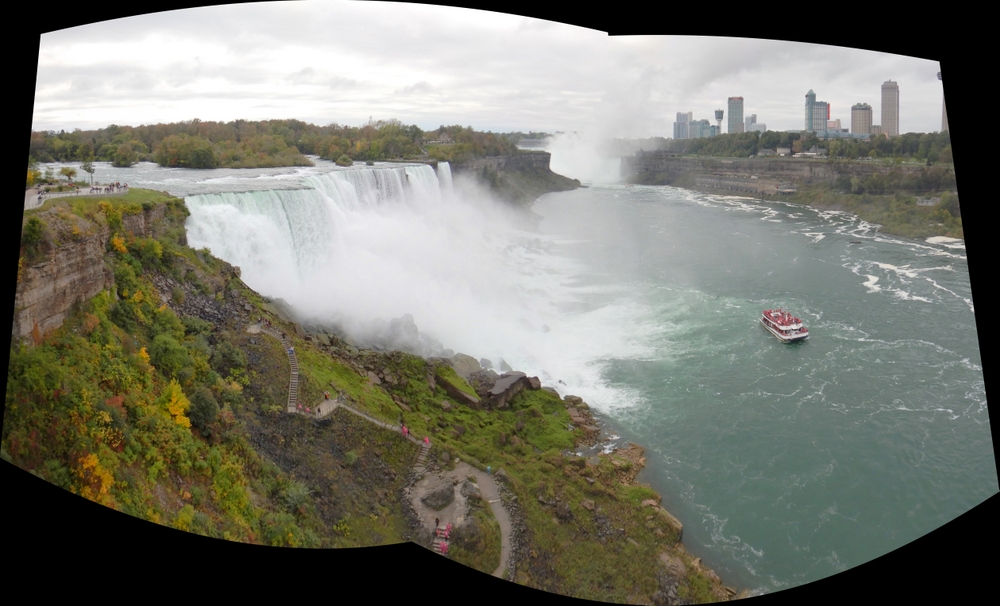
279, 61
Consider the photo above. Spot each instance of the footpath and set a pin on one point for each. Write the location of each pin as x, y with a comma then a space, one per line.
484, 482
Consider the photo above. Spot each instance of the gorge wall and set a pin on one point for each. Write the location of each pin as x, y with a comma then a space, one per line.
69, 267
664, 168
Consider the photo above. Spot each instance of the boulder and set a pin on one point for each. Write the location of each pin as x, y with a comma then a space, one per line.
506, 387
464, 365
673, 523
482, 381
504, 366
460, 395
469, 490
534, 383
440, 497
486, 364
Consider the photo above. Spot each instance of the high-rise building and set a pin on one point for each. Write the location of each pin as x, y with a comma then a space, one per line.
735, 115
702, 128
718, 120
681, 127
817, 113
890, 108
748, 123
833, 124
861, 119
758, 127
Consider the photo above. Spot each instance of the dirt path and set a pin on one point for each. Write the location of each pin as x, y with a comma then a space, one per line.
455, 512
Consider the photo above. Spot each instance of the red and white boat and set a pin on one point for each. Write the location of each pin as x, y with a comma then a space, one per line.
784, 325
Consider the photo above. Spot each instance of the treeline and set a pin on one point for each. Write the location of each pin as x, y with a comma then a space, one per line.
248, 144
925, 147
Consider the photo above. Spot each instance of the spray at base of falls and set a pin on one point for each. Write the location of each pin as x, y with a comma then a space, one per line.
379, 252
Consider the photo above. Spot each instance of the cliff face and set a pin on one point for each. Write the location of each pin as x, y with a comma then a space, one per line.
70, 266
661, 168
72, 272
519, 178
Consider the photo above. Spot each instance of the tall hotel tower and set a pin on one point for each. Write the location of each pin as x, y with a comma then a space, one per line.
735, 115
817, 113
890, 108
861, 118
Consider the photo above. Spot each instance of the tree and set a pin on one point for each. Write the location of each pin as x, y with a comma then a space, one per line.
69, 173
124, 156
88, 167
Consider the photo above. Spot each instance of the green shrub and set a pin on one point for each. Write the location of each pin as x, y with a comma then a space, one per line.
204, 410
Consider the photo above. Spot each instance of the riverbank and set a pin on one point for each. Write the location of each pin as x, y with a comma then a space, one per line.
897, 215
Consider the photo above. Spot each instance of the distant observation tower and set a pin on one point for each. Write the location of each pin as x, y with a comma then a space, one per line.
718, 121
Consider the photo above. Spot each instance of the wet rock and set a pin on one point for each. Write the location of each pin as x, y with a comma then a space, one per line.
507, 386
504, 366
465, 365
483, 381
486, 364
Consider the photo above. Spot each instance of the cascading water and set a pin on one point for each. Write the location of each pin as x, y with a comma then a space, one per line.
359, 247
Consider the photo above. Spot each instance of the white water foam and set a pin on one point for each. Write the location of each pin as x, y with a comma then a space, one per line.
363, 246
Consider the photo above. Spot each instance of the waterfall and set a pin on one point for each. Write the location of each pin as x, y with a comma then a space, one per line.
444, 176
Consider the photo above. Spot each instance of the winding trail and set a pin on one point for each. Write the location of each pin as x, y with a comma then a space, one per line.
487, 486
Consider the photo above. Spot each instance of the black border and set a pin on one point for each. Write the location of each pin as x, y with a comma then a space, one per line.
80, 547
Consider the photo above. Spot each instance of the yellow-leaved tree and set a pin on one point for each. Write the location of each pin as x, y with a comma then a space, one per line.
177, 403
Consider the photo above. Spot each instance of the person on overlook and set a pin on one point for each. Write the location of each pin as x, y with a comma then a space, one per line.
427, 440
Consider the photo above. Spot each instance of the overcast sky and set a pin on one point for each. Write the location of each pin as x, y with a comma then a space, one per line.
333, 61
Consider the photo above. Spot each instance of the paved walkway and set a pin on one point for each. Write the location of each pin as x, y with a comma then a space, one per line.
31, 195
485, 483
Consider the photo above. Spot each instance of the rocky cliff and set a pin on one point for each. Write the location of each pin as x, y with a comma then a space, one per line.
68, 266
518, 178
663, 168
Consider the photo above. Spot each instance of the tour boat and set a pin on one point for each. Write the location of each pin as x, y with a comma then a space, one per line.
784, 325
